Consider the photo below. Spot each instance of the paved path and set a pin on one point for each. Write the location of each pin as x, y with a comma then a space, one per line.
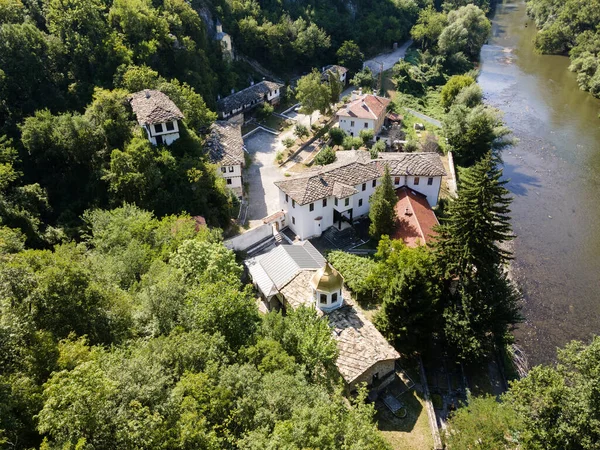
431, 120
387, 59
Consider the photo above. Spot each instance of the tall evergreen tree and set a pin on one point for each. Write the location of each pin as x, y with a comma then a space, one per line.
382, 214
469, 249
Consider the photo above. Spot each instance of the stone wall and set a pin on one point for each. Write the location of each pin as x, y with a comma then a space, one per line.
383, 368
246, 240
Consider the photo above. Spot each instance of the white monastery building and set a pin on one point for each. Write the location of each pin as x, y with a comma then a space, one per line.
226, 149
363, 112
157, 114
251, 97
329, 195
290, 276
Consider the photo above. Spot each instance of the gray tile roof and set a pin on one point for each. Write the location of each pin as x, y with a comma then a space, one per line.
360, 344
354, 167
151, 106
256, 92
272, 270
225, 144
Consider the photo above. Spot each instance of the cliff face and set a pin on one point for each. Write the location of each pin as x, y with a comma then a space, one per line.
205, 8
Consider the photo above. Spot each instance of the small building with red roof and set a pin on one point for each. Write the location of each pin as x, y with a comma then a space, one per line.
363, 112
415, 217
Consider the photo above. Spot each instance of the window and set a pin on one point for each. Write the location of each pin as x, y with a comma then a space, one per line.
223, 169
429, 181
364, 186
324, 202
231, 168
416, 181
352, 123
334, 297
170, 126
293, 203
228, 180
374, 183
347, 202
366, 124
397, 180
360, 202
287, 198
311, 207
294, 220
336, 202
158, 127
323, 299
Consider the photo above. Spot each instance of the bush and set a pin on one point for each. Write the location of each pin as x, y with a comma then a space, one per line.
264, 111
351, 142
452, 88
301, 131
378, 147
367, 136
279, 156
411, 146
288, 142
337, 136
325, 156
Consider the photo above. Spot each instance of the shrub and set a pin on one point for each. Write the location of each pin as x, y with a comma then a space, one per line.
301, 131
378, 146
325, 156
451, 89
279, 156
288, 142
351, 142
337, 136
264, 111
367, 136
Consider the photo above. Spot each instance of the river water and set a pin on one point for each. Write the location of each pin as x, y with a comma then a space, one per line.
554, 174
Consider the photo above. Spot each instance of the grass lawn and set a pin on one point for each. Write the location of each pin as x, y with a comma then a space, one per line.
410, 433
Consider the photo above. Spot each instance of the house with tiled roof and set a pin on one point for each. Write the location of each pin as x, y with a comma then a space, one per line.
319, 198
291, 276
415, 218
249, 98
363, 112
225, 148
340, 71
157, 114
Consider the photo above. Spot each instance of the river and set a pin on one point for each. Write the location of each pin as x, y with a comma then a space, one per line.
554, 174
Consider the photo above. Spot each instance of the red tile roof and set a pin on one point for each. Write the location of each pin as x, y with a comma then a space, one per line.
415, 218
365, 107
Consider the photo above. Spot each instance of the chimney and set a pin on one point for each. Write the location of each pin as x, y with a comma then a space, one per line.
354, 96
147, 92
219, 97
407, 212
232, 90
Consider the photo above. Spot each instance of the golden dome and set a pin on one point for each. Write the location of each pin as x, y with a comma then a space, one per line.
327, 279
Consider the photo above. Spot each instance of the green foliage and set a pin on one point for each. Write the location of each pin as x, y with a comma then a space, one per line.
382, 213
409, 292
364, 79
559, 406
356, 271
472, 133
484, 423
314, 94
467, 31
470, 96
479, 311
325, 156
300, 131
350, 143
265, 111
350, 56
337, 136
453, 87
428, 28
367, 136
289, 142
378, 147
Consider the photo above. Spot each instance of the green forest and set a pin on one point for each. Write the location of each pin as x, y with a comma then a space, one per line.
571, 27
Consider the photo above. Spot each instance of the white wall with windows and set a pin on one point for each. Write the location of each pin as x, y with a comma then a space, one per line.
232, 175
163, 133
353, 126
